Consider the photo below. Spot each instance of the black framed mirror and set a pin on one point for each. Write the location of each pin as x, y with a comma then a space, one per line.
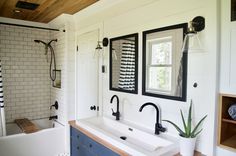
124, 63
164, 63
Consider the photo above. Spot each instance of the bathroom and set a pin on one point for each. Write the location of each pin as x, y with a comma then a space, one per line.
83, 37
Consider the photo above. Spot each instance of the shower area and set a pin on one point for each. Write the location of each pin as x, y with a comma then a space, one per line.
29, 101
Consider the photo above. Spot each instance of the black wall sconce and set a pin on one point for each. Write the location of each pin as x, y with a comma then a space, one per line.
191, 40
104, 42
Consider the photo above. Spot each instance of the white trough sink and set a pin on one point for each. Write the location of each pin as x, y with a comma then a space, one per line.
132, 140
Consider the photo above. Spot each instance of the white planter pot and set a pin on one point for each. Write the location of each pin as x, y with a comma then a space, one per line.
187, 146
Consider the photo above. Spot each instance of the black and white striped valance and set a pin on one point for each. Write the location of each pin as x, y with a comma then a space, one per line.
127, 66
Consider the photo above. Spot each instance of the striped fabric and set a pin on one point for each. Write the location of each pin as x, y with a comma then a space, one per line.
2, 113
178, 91
127, 66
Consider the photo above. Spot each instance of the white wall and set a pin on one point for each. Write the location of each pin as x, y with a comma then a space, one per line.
58, 94
126, 17
227, 58
65, 55
228, 33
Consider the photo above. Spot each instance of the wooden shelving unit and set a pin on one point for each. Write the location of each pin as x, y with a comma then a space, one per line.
227, 126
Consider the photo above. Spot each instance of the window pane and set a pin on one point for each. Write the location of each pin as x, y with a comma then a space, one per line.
160, 79
161, 53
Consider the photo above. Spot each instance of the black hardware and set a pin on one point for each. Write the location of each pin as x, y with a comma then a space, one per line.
117, 113
195, 85
53, 117
27, 26
123, 137
105, 42
103, 69
93, 107
158, 126
77, 48
55, 105
198, 23
131, 129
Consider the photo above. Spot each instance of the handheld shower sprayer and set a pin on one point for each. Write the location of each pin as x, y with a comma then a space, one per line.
52, 72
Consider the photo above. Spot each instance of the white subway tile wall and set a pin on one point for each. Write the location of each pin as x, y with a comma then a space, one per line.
25, 72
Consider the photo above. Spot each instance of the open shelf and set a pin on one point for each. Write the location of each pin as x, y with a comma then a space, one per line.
227, 126
230, 142
229, 121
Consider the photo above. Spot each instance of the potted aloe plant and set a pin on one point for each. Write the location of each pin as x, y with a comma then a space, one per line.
188, 135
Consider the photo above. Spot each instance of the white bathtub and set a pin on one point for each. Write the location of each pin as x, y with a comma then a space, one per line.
49, 141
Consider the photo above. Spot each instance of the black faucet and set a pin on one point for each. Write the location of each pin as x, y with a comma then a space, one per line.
117, 113
158, 126
55, 105
53, 117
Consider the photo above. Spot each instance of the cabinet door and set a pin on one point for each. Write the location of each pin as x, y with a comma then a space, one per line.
99, 149
82, 145
80, 150
83, 151
74, 150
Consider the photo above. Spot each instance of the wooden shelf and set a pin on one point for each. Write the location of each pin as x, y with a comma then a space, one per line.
229, 121
227, 126
230, 142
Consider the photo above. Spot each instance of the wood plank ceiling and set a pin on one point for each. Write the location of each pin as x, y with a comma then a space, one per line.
46, 11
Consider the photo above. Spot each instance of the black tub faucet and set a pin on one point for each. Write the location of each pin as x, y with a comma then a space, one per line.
53, 117
117, 113
158, 126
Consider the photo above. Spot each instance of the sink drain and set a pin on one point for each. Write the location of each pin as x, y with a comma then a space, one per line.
123, 137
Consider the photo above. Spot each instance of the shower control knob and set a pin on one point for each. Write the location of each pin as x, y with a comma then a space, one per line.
93, 107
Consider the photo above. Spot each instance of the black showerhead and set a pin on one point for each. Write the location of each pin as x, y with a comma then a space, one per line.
39, 41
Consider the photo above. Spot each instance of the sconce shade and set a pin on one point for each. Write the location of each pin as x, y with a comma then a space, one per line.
192, 43
191, 40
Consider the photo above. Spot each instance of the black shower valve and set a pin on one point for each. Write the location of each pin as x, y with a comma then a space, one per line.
55, 105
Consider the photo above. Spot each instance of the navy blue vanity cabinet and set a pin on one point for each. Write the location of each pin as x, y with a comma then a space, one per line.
82, 145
